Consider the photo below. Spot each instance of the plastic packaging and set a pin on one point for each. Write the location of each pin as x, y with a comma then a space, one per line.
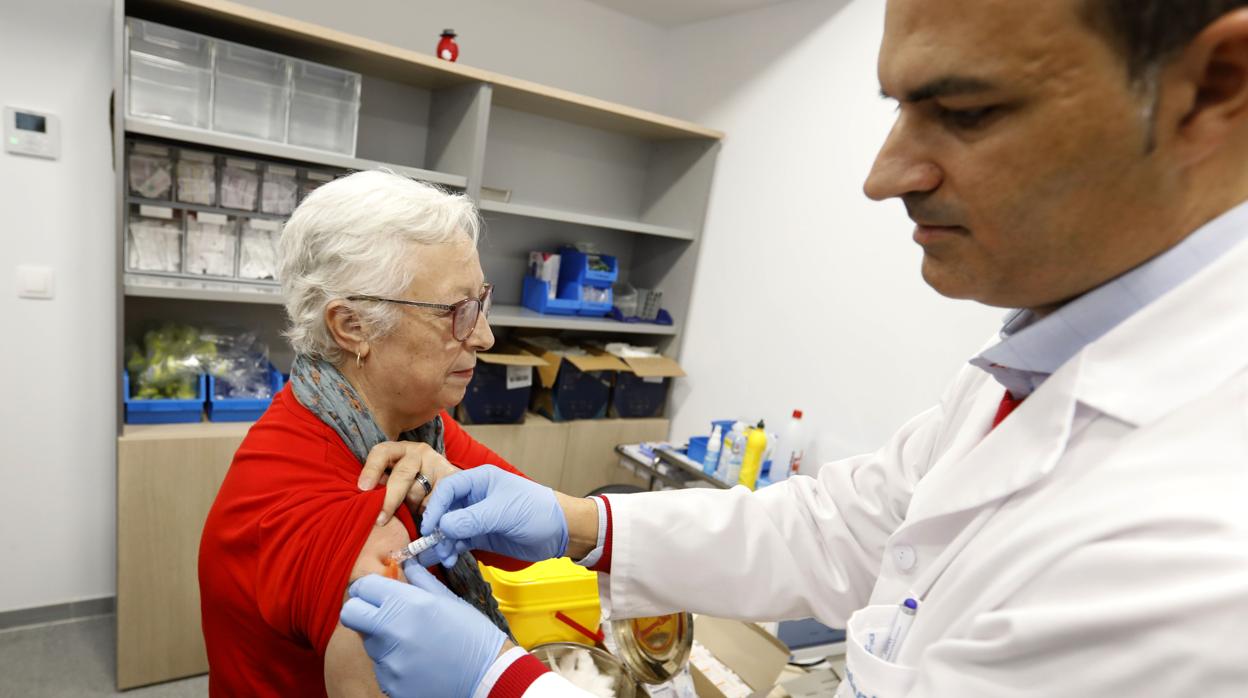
240, 185
197, 178
150, 171
713, 447
169, 363
791, 449
257, 257
240, 364
279, 192
154, 240
211, 244
752, 460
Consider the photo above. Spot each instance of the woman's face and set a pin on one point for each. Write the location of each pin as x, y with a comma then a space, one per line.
420, 368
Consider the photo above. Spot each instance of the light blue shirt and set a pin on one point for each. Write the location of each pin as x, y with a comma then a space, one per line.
1031, 349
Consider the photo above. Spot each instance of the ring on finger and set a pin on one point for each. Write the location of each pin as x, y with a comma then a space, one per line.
424, 482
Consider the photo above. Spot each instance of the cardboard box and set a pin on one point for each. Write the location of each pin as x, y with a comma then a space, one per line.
572, 386
501, 387
641, 389
752, 653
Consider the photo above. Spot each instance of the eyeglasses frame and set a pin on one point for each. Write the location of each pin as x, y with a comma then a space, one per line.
452, 309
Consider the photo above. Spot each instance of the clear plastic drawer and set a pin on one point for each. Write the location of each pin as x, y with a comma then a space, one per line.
324, 107
169, 73
250, 92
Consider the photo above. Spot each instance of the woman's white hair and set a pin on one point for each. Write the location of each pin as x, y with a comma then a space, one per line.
353, 236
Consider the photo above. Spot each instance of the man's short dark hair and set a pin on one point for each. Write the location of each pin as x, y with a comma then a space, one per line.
1147, 32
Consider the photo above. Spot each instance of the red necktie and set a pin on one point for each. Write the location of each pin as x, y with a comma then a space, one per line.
1008, 403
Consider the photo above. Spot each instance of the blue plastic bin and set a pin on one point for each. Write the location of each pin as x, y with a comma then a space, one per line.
162, 411
241, 409
697, 448
575, 272
536, 297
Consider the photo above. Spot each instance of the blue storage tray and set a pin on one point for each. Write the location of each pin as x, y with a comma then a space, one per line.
241, 409
574, 267
162, 411
535, 297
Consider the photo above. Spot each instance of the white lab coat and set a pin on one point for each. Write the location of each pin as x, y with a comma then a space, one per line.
1094, 544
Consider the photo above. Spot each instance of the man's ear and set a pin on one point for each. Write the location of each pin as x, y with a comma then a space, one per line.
1213, 70
345, 327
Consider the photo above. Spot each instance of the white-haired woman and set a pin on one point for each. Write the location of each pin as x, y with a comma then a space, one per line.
387, 306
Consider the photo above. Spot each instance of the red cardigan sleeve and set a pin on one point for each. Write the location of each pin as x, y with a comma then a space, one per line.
465, 452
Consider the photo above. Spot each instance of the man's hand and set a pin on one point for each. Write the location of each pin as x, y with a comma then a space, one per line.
423, 640
397, 464
487, 508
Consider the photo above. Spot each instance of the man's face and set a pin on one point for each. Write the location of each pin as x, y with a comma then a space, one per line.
1021, 150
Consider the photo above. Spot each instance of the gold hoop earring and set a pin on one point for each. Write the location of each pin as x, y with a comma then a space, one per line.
357, 359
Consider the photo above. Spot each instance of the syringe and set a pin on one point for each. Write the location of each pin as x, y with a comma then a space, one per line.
417, 547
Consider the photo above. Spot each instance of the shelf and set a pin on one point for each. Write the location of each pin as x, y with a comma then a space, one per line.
237, 22
235, 212
191, 430
517, 316
151, 286
551, 214
255, 146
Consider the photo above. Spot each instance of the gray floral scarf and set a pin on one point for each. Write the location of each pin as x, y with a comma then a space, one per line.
326, 393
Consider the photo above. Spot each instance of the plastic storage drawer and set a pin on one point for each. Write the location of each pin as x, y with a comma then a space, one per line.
170, 74
248, 409
250, 92
536, 297
162, 411
324, 107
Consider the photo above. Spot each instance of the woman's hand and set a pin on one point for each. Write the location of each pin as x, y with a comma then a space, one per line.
397, 464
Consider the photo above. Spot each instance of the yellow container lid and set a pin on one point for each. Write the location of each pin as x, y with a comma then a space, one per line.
554, 584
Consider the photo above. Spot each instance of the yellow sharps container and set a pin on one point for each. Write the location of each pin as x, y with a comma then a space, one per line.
546, 601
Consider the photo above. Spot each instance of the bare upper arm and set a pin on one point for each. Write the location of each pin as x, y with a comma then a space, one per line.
348, 670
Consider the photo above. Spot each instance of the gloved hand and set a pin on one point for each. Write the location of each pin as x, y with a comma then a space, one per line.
424, 640
487, 508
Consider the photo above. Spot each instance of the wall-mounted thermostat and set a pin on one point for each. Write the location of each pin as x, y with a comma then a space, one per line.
28, 132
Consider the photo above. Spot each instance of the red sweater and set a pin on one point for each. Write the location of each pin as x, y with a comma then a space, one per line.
280, 541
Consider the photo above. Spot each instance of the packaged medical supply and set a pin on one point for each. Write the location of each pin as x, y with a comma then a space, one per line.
544, 266
257, 258
752, 460
150, 171
154, 239
279, 191
787, 459
211, 244
240, 184
197, 178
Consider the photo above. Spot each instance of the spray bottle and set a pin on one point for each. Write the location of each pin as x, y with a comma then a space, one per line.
713, 445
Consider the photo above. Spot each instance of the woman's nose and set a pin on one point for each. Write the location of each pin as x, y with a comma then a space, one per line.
482, 337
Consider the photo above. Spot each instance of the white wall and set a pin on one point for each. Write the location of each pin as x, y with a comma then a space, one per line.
57, 413
808, 294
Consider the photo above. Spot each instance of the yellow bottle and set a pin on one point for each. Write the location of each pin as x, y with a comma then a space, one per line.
752, 463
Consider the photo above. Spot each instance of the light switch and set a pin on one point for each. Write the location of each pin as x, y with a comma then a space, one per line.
34, 282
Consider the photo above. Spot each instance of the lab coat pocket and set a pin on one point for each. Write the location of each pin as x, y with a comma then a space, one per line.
866, 675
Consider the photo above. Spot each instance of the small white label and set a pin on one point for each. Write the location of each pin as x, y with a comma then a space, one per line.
652, 379
519, 377
196, 156
262, 224
212, 218
320, 176
150, 149
282, 170
156, 212
240, 164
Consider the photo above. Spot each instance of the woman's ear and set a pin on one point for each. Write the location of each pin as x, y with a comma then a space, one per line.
345, 327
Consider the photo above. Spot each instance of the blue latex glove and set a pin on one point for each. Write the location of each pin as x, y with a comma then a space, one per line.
424, 640
487, 508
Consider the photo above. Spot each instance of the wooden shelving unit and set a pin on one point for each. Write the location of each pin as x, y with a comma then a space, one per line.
632, 182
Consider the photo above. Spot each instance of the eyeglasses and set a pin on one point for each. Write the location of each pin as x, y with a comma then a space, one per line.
464, 314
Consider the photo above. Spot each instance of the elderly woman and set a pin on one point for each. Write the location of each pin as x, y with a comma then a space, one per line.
387, 306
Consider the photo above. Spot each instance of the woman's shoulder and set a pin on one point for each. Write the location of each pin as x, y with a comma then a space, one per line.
288, 433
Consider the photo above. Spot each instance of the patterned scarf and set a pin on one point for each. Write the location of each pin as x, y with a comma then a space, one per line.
326, 393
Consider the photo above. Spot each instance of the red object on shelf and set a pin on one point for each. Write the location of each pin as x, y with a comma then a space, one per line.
448, 50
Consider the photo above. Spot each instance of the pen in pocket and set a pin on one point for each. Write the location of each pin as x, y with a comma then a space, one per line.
897, 633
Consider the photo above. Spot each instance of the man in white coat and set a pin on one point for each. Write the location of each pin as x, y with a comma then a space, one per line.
1072, 517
